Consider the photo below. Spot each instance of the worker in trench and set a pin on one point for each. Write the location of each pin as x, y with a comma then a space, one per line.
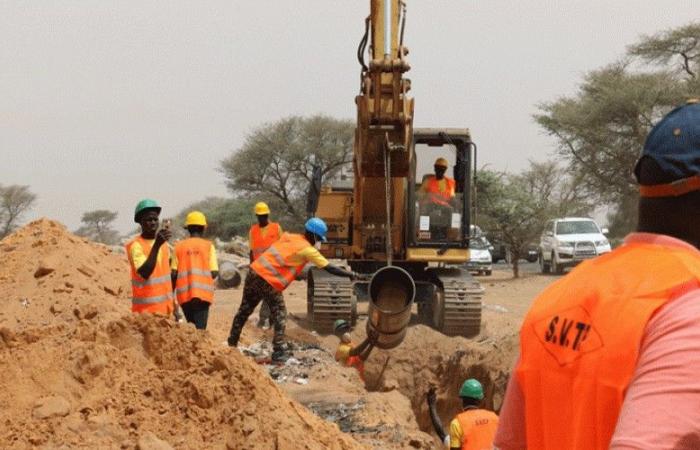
194, 267
272, 272
149, 261
472, 429
610, 353
349, 354
260, 237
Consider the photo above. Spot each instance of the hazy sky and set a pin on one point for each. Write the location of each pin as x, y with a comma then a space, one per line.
105, 102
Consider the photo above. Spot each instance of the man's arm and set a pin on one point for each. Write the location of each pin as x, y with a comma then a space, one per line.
365, 348
434, 417
147, 267
660, 409
213, 262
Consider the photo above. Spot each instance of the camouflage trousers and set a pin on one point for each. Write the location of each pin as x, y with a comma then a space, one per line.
256, 290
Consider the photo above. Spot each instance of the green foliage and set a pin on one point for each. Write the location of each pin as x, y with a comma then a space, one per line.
601, 130
15, 200
276, 161
97, 226
515, 207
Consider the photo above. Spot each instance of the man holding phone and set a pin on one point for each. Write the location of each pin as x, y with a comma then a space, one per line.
149, 261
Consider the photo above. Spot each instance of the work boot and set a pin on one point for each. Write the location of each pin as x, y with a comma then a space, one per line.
232, 342
280, 356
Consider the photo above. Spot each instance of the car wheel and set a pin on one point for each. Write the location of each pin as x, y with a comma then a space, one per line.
556, 267
544, 265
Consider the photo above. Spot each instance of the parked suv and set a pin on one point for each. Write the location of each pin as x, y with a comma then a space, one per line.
568, 241
479, 256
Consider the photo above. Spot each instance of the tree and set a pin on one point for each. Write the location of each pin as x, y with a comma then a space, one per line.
515, 207
665, 48
97, 226
15, 200
277, 160
601, 129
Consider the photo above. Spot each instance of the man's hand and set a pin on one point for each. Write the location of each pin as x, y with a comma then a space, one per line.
432, 398
163, 235
359, 276
372, 335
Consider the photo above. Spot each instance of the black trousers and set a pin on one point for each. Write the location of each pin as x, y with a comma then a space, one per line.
197, 312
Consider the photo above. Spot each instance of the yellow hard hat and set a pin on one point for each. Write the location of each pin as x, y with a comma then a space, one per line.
442, 162
196, 218
261, 209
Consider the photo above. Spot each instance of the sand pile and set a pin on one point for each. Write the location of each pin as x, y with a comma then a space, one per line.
50, 276
143, 382
427, 358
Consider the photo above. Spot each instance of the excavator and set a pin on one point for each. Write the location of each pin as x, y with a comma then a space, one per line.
383, 218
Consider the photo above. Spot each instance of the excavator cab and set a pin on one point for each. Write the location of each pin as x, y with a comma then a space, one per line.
440, 220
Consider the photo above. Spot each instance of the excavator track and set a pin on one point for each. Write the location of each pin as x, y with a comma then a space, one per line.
457, 307
329, 298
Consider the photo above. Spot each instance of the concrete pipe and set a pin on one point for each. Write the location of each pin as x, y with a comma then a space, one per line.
391, 292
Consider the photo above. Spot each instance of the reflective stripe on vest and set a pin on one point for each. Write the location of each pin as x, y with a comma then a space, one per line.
260, 242
438, 196
154, 294
478, 429
275, 265
580, 341
193, 273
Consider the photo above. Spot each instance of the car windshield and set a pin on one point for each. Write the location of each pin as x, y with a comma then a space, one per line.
577, 227
479, 243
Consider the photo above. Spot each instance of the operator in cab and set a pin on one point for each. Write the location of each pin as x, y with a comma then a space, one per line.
438, 189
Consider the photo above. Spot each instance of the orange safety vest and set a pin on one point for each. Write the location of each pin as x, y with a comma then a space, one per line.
193, 271
478, 429
353, 361
275, 265
438, 196
154, 295
580, 341
260, 242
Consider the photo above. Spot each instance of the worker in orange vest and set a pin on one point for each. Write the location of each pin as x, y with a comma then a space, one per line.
472, 429
349, 354
194, 268
149, 261
438, 189
610, 353
273, 272
261, 236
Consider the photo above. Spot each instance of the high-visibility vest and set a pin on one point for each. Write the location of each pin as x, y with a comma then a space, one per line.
581, 339
260, 242
478, 429
438, 196
154, 295
352, 361
193, 270
275, 265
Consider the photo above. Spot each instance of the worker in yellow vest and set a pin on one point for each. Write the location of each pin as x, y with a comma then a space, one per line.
261, 236
472, 429
438, 189
273, 272
194, 268
610, 353
149, 261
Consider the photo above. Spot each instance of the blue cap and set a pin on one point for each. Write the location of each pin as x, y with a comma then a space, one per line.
674, 143
318, 227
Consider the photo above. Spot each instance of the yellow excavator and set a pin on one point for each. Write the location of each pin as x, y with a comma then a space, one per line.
385, 217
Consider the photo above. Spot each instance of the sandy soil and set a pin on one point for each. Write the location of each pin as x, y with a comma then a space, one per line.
81, 372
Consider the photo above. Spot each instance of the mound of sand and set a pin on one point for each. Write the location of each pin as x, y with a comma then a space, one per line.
80, 371
145, 379
50, 276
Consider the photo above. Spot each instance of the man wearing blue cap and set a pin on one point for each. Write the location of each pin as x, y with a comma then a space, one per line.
610, 354
273, 271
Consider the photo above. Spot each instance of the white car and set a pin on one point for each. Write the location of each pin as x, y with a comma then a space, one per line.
480, 261
568, 241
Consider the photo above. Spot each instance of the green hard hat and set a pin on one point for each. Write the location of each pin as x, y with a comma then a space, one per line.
472, 388
341, 325
143, 205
